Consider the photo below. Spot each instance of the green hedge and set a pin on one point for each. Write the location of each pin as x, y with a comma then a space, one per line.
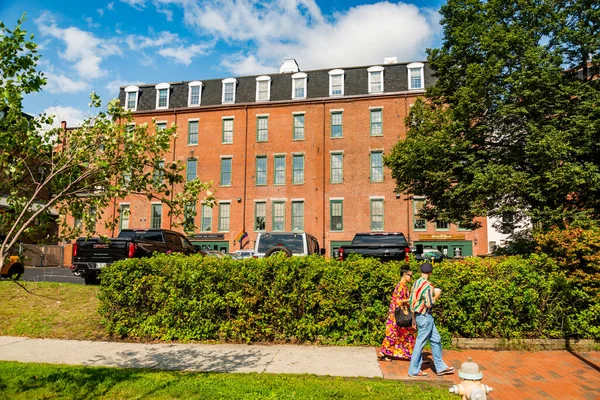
312, 299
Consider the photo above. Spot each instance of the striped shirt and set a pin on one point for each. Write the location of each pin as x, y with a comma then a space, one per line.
421, 296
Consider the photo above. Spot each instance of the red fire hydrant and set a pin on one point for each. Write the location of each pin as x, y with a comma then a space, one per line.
471, 387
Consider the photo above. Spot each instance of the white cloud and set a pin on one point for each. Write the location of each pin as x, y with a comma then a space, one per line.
90, 22
138, 4
110, 6
63, 84
83, 49
100, 11
113, 86
183, 55
278, 29
73, 116
138, 42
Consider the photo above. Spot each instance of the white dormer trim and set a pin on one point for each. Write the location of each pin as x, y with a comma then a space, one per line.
190, 86
420, 66
296, 77
333, 73
371, 70
132, 89
263, 78
159, 87
225, 82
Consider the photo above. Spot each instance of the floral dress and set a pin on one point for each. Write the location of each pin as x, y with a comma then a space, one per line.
398, 342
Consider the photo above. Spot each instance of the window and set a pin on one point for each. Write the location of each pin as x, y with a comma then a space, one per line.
158, 175
162, 95
262, 128
195, 93
299, 85
226, 171
415, 76
124, 217
227, 134
228, 90
261, 170
336, 208
377, 214
206, 224
189, 213
260, 215
336, 82
376, 122
442, 225
297, 215
193, 131
279, 178
126, 180
337, 163
131, 97
278, 215
161, 126
191, 169
224, 217
298, 133
263, 88
375, 79
336, 124
419, 224
297, 169
376, 166
156, 217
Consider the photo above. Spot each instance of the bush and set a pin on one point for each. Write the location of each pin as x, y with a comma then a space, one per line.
316, 300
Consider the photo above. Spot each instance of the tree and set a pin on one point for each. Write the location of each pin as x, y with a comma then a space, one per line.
75, 172
512, 123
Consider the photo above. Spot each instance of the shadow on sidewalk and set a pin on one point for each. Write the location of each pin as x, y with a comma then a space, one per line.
580, 358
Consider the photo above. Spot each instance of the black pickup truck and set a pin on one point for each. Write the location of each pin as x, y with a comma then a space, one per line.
91, 255
385, 246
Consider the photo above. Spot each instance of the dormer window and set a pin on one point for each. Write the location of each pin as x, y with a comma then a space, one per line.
131, 97
375, 79
228, 91
336, 82
416, 77
263, 88
195, 93
299, 85
162, 95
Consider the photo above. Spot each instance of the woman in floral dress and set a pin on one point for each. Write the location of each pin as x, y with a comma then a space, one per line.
399, 341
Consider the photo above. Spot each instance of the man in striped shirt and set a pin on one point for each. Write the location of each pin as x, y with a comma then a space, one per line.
422, 297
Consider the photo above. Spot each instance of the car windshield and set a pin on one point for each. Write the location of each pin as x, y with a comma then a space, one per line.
293, 242
398, 240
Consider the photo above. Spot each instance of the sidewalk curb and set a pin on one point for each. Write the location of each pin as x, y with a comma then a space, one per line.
526, 344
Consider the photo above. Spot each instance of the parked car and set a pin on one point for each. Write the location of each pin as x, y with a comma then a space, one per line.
290, 243
385, 246
428, 254
93, 254
213, 253
244, 253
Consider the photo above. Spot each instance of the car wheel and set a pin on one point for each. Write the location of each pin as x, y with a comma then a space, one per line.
91, 280
15, 272
279, 249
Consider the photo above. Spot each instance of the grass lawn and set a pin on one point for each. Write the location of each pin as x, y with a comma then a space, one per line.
50, 310
44, 381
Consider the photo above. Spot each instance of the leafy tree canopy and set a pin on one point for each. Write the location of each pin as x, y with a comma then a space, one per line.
512, 123
47, 174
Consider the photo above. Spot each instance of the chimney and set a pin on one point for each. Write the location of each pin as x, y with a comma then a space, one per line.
63, 125
390, 60
289, 66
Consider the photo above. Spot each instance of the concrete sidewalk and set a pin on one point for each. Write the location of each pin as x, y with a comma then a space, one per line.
276, 359
512, 374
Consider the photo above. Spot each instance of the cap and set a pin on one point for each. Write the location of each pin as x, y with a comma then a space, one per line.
426, 268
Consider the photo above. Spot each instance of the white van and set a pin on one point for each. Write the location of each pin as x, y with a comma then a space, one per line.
290, 243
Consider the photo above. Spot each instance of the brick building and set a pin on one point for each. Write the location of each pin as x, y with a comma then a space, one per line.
293, 151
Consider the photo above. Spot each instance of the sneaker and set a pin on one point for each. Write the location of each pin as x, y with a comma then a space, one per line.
447, 371
420, 374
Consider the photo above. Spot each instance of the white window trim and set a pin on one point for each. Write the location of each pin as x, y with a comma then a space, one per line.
376, 197
332, 73
299, 75
159, 87
336, 151
336, 110
226, 156
416, 65
298, 200
298, 112
128, 90
264, 78
228, 117
226, 81
261, 200
336, 198
194, 84
377, 68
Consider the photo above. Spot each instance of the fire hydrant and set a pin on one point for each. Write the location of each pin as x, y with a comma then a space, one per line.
471, 387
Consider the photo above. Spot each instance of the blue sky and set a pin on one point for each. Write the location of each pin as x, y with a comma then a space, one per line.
90, 45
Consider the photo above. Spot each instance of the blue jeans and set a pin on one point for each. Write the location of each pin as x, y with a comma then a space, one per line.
426, 331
